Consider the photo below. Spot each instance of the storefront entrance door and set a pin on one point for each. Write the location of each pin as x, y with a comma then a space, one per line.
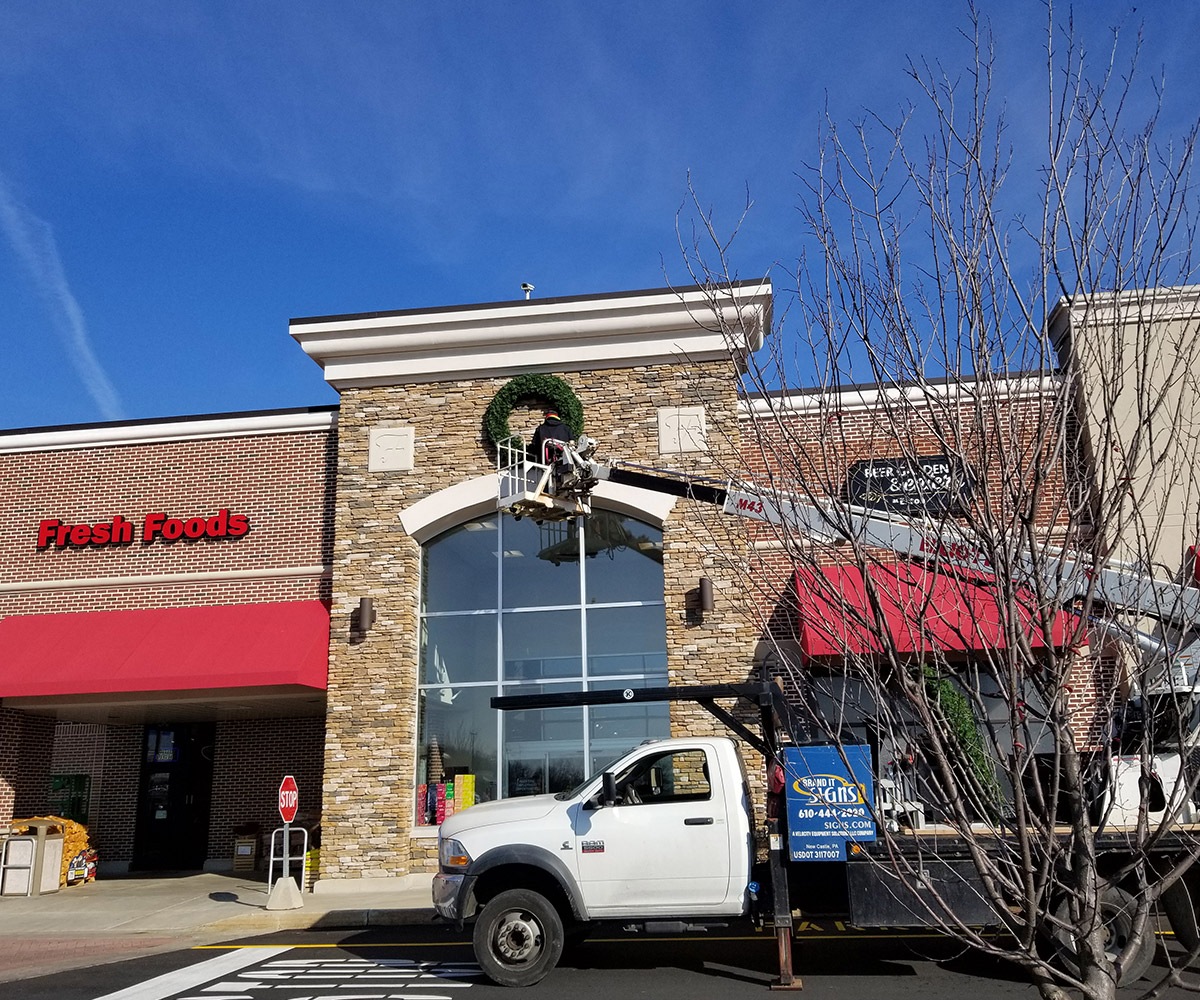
174, 798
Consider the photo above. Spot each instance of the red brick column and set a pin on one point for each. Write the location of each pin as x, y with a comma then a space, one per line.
26, 745
10, 749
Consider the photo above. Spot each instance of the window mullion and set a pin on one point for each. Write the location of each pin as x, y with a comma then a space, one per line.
583, 647
501, 756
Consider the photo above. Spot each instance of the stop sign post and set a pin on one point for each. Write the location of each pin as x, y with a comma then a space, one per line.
284, 893
289, 799
289, 802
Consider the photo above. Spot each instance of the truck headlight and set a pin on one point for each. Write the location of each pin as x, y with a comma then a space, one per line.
452, 855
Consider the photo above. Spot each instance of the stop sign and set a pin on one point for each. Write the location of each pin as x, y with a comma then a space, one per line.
289, 798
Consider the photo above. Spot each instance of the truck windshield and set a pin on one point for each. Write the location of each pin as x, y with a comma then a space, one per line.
570, 793
1175, 719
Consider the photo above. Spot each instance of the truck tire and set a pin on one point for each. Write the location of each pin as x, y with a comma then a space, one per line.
1179, 902
518, 938
1118, 908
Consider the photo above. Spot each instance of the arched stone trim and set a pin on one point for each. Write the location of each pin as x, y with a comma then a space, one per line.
645, 505
446, 508
440, 511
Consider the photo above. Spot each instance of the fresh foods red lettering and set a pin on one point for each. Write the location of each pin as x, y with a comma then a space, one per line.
222, 525
156, 527
53, 534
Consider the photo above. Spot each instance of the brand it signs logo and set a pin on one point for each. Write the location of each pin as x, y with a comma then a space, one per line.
830, 789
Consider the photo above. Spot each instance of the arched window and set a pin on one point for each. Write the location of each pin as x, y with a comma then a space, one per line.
513, 607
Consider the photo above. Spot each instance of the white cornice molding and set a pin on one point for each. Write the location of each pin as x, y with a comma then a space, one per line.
190, 429
1169, 304
167, 579
609, 331
645, 505
869, 398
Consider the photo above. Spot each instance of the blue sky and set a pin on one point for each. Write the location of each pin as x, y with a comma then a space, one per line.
179, 179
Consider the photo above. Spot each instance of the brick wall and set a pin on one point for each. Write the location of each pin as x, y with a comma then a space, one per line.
811, 453
112, 824
282, 482
10, 751
250, 759
33, 748
25, 746
1008, 440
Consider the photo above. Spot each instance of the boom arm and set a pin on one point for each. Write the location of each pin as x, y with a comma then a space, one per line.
1059, 577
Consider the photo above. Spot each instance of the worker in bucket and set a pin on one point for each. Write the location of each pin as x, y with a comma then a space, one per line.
550, 429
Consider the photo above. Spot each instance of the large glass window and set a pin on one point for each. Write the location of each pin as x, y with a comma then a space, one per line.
513, 607
463, 577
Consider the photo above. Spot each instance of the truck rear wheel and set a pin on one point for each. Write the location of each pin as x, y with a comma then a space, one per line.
1117, 908
1179, 902
518, 938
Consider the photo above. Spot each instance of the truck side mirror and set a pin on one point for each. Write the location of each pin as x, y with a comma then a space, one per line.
609, 781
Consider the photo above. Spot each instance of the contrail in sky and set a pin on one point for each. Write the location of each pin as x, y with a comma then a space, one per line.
33, 240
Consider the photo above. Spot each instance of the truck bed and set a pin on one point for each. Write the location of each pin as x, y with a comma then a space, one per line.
902, 882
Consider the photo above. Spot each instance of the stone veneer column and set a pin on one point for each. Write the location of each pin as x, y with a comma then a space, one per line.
371, 723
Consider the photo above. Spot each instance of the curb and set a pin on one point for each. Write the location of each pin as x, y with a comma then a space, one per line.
349, 918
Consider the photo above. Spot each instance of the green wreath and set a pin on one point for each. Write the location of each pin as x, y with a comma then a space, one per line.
545, 389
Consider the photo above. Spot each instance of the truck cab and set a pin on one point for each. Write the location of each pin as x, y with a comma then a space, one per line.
664, 832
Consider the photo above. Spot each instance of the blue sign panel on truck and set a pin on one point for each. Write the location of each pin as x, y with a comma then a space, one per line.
828, 803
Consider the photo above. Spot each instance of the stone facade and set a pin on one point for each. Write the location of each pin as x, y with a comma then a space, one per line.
372, 727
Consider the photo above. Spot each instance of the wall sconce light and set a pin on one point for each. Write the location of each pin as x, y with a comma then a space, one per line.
366, 613
706, 594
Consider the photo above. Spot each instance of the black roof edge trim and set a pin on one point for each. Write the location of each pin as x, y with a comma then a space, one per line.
466, 307
183, 418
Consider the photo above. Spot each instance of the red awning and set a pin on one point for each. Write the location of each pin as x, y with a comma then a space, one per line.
922, 610
165, 649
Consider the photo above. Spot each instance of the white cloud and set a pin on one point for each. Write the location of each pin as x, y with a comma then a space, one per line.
32, 239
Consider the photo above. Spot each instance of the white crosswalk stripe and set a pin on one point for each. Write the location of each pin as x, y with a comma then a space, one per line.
256, 974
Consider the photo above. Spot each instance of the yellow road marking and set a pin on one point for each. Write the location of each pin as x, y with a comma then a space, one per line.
696, 938
457, 944
344, 944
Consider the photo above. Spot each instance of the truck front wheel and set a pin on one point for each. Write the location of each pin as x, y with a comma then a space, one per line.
518, 938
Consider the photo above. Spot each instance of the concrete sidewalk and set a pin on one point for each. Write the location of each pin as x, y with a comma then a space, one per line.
113, 919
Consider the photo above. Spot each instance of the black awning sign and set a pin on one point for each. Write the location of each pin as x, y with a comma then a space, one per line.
926, 484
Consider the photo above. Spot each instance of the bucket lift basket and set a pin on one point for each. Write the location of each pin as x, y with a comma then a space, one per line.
533, 490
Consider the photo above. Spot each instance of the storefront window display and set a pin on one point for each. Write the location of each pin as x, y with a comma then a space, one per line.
513, 607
